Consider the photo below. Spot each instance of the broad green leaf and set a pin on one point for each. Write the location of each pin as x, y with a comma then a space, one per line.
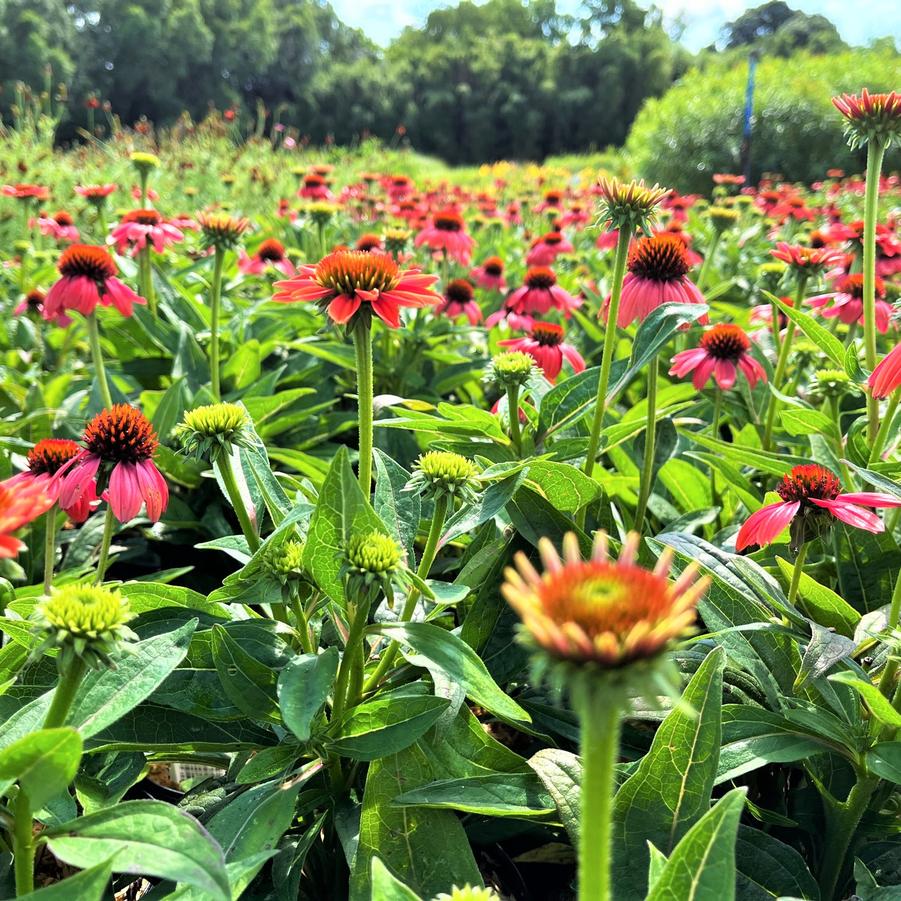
88, 885
823, 338
303, 687
767, 868
822, 604
702, 866
438, 649
563, 484
43, 763
341, 511
491, 501
671, 788
741, 455
387, 887
387, 724
884, 759
398, 509
561, 774
148, 838
249, 684
824, 650
800, 421
491, 795
880, 706
240, 874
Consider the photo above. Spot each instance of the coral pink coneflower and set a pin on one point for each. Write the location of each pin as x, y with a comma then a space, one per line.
846, 302
88, 278
546, 346
886, 377
723, 352
46, 460
490, 275
138, 228
446, 232
60, 226
95, 194
269, 255
811, 498
33, 302
345, 280
459, 301
315, 187
19, 505
24, 191
539, 294
546, 249
118, 452
658, 274
810, 260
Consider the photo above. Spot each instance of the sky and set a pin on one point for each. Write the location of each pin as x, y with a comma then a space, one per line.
858, 22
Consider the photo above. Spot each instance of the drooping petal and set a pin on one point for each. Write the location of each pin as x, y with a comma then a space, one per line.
124, 493
851, 514
343, 307
78, 482
153, 488
870, 499
766, 524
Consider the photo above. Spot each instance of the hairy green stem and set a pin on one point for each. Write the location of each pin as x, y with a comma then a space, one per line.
425, 564
215, 312
890, 670
708, 258
600, 729
513, 415
796, 573
650, 441
359, 616
97, 357
105, 542
875, 153
66, 688
145, 265
363, 347
616, 290
225, 467
23, 845
885, 427
49, 548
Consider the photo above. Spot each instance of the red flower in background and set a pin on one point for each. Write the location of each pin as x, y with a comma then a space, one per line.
446, 232
459, 301
724, 351
546, 346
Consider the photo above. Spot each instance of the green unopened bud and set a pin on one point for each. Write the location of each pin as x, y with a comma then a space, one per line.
286, 562
322, 212
397, 240
221, 230
722, 217
144, 162
629, 205
86, 621
21, 247
469, 893
511, 368
373, 552
211, 431
833, 383
444, 473
770, 274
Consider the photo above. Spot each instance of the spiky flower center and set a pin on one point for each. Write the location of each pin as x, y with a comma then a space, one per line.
368, 242
313, 181
222, 229
726, 342
659, 258
48, 455
61, 217
547, 334
85, 611
809, 481
347, 271
143, 217
512, 366
121, 434
540, 277
493, 266
458, 291
35, 299
373, 552
448, 221
628, 204
84, 260
552, 238
271, 250
853, 285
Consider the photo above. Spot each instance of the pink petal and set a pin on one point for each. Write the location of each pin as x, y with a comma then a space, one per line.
851, 514
766, 524
124, 494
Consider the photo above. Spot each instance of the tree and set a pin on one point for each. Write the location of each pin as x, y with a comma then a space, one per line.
778, 30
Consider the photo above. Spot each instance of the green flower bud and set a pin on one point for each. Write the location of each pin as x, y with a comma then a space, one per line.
373, 553
286, 562
144, 162
444, 473
86, 621
211, 431
397, 240
322, 212
511, 368
833, 383
722, 217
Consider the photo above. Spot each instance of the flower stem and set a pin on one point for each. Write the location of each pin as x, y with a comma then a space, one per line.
425, 564
105, 542
23, 845
616, 290
875, 153
359, 618
49, 548
887, 679
513, 414
650, 441
224, 466
146, 272
215, 310
600, 729
885, 427
708, 258
796, 573
66, 689
363, 347
97, 357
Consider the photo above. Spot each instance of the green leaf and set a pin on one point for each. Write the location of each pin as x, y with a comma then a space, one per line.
884, 759
148, 838
880, 706
824, 650
88, 885
703, 864
823, 338
341, 511
248, 684
563, 484
561, 774
799, 421
438, 649
43, 763
767, 868
388, 723
491, 795
240, 874
427, 849
387, 887
398, 509
303, 687
821, 603
490, 502
671, 788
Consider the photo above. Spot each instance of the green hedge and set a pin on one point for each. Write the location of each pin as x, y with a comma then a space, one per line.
694, 130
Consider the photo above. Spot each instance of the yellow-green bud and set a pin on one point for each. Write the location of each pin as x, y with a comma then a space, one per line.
510, 368
286, 562
373, 552
440, 473
833, 383
144, 162
722, 217
213, 430
86, 621
322, 211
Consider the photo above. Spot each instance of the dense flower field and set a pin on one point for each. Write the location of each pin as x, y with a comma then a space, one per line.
377, 530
